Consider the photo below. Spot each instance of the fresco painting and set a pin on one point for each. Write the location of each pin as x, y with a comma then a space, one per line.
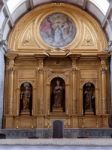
57, 30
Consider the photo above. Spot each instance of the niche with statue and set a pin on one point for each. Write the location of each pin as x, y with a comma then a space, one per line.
57, 95
89, 98
26, 99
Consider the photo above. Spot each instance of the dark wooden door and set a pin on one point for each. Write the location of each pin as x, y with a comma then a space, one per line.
57, 129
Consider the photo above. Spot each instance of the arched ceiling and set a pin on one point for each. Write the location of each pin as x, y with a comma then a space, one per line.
103, 6
12, 10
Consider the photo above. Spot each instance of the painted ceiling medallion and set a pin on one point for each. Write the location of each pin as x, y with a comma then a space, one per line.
57, 30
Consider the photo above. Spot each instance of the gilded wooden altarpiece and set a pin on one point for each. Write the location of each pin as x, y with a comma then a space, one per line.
56, 41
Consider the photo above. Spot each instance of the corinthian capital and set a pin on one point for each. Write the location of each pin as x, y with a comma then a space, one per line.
11, 65
103, 66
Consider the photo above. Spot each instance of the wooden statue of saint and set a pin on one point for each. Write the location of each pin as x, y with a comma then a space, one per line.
58, 94
26, 98
88, 98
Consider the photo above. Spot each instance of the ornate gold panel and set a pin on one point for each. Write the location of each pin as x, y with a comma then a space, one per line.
27, 30
88, 74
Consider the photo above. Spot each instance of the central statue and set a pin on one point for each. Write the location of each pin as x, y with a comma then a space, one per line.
58, 94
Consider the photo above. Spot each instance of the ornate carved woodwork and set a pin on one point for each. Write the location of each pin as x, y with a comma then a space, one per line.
75, 63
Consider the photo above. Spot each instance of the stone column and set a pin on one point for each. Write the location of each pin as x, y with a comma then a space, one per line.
109, 49
111, 79
3, 49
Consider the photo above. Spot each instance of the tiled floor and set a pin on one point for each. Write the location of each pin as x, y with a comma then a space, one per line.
56, 144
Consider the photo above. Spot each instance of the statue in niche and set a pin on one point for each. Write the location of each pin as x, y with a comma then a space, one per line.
88, 98
26, 98
58, 94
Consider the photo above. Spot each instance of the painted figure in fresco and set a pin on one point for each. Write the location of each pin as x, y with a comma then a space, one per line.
58, 94
88, 98
58, 36
25, 97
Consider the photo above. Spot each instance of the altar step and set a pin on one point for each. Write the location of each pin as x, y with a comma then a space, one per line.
48, 133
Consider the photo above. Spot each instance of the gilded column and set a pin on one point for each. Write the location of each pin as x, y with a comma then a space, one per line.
40, 90
41, 84
11, 58
74, 71
74, 58
103, 79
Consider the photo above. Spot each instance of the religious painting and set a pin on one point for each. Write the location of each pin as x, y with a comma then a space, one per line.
57, 30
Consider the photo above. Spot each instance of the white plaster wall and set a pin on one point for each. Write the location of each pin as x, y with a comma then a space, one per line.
20, 11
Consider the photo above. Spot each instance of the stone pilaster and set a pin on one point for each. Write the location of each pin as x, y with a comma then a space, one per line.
3, 49
109, 50
111, 79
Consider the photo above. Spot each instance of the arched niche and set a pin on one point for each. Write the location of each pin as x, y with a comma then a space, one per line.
57, 94
89, 98
25, 99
